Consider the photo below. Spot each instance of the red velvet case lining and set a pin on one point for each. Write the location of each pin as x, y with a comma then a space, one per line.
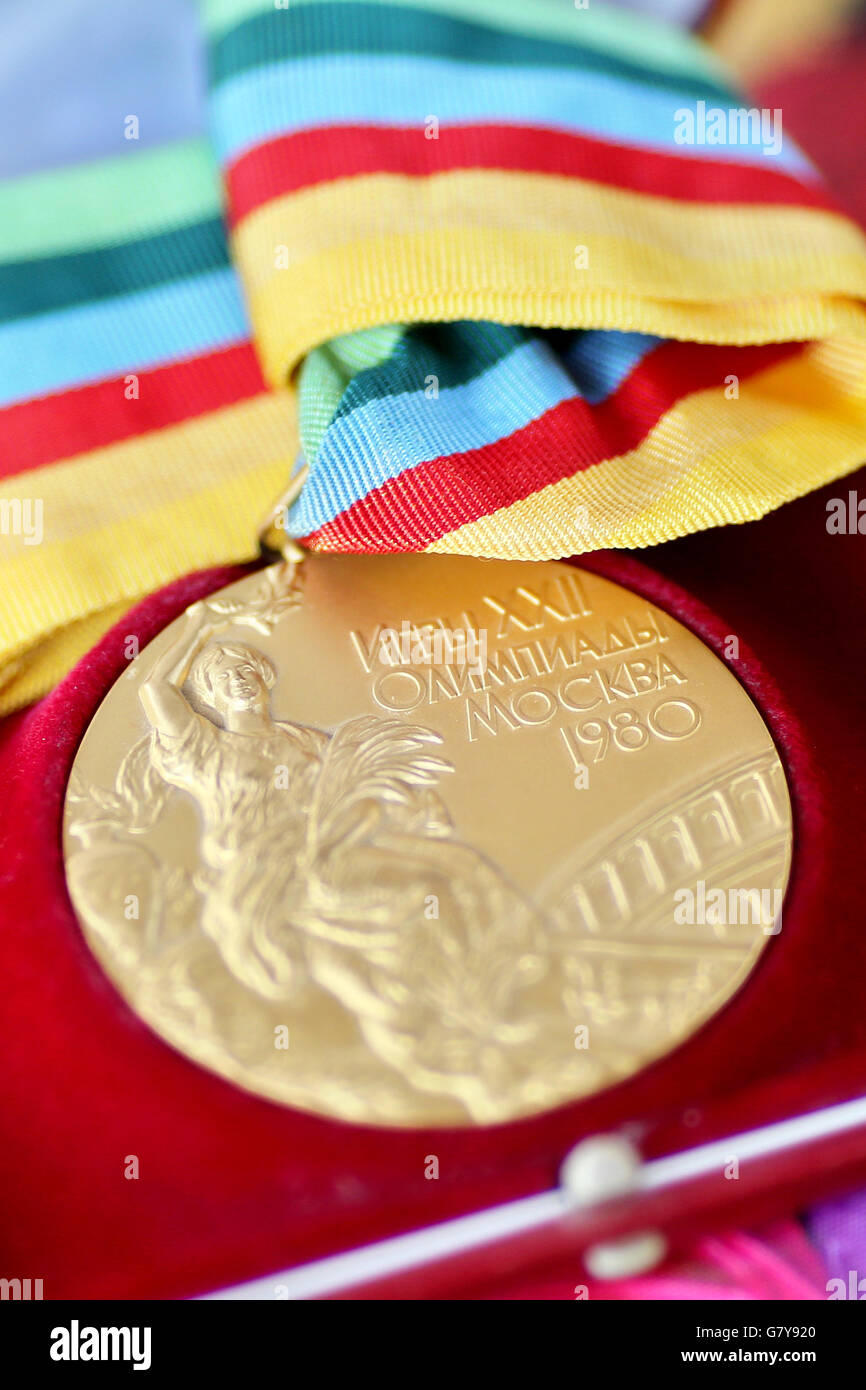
232, 1186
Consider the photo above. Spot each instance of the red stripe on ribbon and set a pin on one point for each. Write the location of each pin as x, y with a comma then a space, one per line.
324, 154
55, 427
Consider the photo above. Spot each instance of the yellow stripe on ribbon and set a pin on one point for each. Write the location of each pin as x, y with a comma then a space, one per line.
126, 519
545, 251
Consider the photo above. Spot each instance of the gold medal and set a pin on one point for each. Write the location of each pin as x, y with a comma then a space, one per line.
420, 840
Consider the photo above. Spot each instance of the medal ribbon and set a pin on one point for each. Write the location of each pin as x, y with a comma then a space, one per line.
457, 253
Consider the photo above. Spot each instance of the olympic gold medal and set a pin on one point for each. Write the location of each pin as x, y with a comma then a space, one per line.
420, 840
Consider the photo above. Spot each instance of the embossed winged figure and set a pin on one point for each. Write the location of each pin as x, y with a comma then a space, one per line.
329, 864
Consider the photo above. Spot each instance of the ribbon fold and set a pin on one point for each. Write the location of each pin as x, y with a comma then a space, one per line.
459, 251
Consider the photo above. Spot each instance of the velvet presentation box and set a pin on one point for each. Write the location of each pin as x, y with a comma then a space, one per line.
232, 1187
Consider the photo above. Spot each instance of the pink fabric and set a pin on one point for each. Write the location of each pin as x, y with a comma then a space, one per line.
778, 1264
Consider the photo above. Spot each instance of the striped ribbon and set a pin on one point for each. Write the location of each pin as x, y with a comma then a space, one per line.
453, 248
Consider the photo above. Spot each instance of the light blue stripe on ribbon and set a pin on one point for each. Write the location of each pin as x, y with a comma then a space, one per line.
300, 93
601, 359
385, 437
53, 352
